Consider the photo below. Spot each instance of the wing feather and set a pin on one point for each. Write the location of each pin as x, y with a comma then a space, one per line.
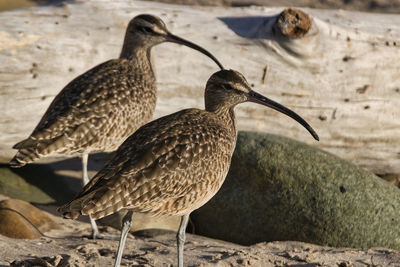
91, 103
162, 161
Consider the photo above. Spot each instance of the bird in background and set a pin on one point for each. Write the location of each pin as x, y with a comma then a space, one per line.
99, 109
175, 164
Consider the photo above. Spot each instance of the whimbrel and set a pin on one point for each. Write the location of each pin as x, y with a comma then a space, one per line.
99, 109
175, 164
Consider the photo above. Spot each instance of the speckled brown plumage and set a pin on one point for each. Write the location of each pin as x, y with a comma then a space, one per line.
161, 168
171, 165
175, 164
95, 112
98, 110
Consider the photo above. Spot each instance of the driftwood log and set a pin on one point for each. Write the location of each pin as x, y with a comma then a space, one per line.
340, 70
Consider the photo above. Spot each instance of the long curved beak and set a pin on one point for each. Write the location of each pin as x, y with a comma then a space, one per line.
175, 39
260, 99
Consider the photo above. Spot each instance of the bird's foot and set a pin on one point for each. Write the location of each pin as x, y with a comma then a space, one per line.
97, 235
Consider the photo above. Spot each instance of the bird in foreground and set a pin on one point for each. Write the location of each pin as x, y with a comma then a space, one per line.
99, 109
175, 164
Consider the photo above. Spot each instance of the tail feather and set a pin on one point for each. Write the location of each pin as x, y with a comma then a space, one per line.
29, 142
68, 211
88, 204
75, 207
98, 212
15, 163
30, 150
23, 157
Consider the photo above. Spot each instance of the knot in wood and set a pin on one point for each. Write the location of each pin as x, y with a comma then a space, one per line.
293, 23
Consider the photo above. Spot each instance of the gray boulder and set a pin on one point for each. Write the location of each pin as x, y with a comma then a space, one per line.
281, 189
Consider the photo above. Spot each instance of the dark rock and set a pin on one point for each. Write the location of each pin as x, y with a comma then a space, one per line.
280, 189
19, 219
36, 183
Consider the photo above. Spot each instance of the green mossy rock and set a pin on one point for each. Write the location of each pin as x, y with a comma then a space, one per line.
281, 189
35, 183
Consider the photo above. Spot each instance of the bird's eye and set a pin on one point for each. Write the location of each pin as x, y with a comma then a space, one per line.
227, 86
146, 30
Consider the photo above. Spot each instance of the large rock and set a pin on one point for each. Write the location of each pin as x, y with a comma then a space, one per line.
19, 219
280, 189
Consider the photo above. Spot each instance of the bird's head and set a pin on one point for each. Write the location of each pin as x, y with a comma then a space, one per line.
146, 31
227, 88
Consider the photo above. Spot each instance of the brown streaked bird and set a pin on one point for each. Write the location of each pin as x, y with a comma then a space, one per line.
99, 109
175, 164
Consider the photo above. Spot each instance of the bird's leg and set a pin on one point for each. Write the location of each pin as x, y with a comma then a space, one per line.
126, 225
85, 179
180, 238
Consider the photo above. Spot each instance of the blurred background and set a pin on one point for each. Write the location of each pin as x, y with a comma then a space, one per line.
380, 6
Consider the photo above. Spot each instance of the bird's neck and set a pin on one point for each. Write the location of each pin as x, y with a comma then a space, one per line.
135, 51
227, 116
138, 55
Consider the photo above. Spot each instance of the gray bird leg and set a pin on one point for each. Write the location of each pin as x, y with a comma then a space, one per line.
126, 225
180, 238
85, 179
95, 230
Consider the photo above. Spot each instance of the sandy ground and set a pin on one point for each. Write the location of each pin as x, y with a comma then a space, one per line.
68, 247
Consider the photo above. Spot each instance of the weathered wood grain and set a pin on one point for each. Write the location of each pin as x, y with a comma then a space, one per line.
343, 77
